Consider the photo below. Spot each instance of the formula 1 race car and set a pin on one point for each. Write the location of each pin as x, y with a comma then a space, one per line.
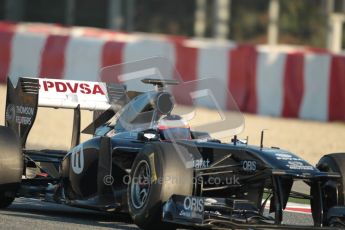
145, 160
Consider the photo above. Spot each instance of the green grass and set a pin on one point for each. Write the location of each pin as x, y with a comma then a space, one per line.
300, 201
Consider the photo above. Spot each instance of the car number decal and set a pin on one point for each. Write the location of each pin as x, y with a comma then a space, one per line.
77, 161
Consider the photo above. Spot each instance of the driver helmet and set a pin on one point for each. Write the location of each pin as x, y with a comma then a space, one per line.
174, 127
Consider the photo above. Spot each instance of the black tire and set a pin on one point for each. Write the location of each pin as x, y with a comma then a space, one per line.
5, 200
164, 163
333, 192
11, 169
335, 162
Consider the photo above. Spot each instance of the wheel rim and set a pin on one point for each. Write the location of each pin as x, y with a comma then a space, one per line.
140, 186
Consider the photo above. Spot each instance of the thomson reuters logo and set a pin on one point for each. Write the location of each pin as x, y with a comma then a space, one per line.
20, 114
10, 112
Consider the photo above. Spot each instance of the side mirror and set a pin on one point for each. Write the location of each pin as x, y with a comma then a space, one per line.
323, 167
148, 135
164, 103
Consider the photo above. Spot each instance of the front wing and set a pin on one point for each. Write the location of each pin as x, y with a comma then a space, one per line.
221, 213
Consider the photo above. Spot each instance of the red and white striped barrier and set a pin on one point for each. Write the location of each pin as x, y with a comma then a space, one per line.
298, 209
294, 207
284, 81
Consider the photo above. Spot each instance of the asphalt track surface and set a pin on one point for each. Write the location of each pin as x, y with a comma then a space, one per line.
34, 214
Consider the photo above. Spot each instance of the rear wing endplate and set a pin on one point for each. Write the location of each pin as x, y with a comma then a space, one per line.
23, 99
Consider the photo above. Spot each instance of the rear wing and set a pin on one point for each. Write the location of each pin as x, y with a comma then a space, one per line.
23, 99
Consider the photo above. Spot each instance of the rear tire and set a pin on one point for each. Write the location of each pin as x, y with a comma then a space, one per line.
5, 200
159, 163
11, 166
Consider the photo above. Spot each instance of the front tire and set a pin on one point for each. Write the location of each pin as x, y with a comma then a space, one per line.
155, 176
333, 190
335, 162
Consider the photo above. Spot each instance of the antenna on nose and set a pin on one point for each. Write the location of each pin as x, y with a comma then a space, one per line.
262, 138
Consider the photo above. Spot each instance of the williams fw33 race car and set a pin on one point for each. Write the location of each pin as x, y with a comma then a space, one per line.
150, 157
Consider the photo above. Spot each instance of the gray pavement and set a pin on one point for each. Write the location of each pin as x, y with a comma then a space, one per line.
300, 186
33, 214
